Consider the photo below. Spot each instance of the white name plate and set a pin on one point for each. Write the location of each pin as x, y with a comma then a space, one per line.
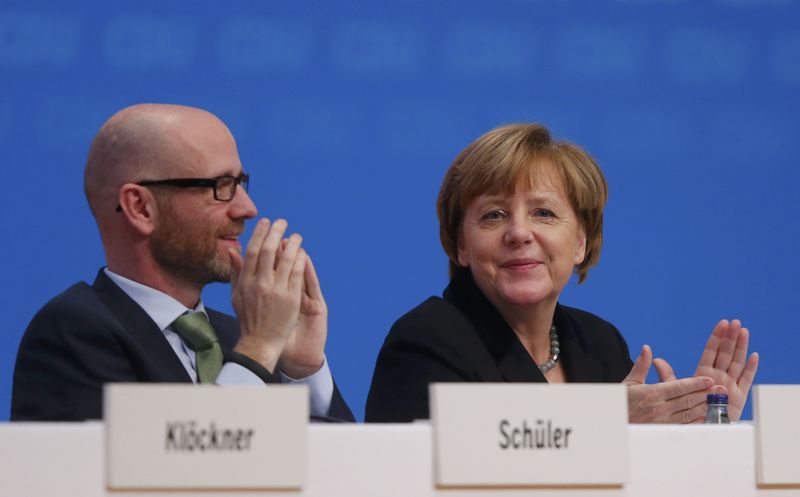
775, 410
206, 436
502, 434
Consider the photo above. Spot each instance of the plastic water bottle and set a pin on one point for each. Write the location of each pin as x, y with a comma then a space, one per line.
717, 411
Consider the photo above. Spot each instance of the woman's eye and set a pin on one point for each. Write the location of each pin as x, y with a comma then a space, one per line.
544, 213
492, 215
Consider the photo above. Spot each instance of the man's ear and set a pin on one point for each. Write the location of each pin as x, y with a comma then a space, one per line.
138, 206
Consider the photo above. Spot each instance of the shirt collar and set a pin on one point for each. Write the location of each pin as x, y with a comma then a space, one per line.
161, 308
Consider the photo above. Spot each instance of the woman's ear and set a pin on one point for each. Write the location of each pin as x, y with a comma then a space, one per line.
580, 245
461, 253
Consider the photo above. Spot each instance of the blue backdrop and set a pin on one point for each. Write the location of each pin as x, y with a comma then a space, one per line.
348, 113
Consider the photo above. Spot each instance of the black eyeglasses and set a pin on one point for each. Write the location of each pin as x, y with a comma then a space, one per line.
224, 186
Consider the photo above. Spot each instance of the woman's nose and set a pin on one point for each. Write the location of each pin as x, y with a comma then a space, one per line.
519, 232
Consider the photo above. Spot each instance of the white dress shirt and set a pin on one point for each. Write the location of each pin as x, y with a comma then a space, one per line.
163, 310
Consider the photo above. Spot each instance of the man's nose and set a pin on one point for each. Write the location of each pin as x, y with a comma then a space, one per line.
242, 206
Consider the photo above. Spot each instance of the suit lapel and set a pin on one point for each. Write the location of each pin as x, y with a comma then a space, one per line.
141, 329
516, 365
513, 361
579, 358
226, 327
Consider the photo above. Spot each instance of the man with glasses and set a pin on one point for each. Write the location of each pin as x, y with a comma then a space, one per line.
167, 189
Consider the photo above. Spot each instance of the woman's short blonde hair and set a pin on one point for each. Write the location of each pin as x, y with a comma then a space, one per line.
504, 158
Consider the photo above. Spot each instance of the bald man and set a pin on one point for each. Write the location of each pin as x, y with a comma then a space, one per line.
167, 189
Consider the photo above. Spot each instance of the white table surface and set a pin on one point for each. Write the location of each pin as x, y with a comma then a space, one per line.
67, 459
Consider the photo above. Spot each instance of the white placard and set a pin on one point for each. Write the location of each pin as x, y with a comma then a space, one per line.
51, 459
502, 434
206, 436
775, 412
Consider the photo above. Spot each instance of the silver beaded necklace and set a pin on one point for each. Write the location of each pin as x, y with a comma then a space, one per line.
555, 350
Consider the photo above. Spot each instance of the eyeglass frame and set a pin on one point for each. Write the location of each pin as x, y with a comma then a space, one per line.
213, 183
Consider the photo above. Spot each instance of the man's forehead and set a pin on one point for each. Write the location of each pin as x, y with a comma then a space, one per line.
209, 151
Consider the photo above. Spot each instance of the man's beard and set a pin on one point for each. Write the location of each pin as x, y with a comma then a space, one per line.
190, 250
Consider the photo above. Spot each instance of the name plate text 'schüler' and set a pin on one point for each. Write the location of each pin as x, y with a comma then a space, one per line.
502, 434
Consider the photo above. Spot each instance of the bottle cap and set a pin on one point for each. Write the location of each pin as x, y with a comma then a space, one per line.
717, 398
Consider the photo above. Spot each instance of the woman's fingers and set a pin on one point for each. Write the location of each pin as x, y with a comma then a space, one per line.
749, 373
727, 346
664, 370
687, 408
709, 355
677, 401
739, 355
679, 388
638, 373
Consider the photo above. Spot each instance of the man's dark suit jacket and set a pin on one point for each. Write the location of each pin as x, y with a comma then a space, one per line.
91, 335
462, 338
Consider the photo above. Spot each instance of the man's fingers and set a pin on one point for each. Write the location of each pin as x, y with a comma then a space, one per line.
311, 280
268, 250
638, 373
712, 345
287, 259
727, 345
296, 276
664, 370
281, 248
254, 247
237, 265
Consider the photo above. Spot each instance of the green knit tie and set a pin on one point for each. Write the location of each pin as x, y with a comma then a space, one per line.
198, 334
